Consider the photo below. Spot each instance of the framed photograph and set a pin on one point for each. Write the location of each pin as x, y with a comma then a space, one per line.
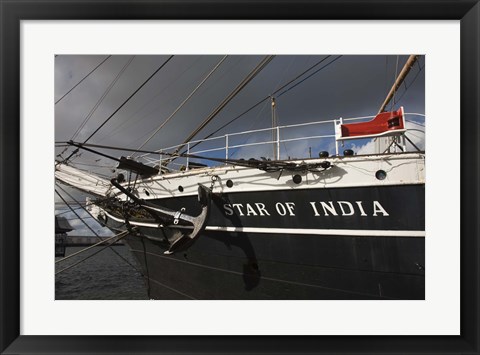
256, 172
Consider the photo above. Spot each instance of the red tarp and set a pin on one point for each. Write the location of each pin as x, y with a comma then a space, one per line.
385, 123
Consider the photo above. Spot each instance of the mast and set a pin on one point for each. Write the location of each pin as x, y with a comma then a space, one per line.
274, 131
401, 77
384, 144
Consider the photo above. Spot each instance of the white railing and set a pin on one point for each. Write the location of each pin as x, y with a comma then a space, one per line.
229, 148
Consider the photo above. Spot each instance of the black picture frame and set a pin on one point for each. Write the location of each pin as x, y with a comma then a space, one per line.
12, 12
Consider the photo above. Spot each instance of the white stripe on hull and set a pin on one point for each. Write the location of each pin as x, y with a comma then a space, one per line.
305, 231
344, 232
133, 223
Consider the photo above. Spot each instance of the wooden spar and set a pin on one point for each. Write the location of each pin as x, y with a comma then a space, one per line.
401, 77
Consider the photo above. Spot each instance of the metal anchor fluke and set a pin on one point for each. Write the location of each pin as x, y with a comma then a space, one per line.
179, 239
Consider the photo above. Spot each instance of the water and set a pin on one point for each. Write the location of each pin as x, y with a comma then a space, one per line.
104, 276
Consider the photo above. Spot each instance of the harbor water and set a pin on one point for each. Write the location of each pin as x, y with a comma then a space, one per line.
103, 276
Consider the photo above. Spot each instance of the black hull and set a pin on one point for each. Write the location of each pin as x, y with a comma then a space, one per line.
404, 204
364, 255
262, 266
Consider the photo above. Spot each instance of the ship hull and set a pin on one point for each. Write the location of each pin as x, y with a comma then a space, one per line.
265, 266
344, 243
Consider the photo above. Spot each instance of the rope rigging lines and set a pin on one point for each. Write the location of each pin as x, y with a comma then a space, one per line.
276, 91
398, 81
123, 104
239, 88
104, 95
157, 101
267, 165
128, 99
309, 76
204, 76
86, 76
408, 86
86, 224
183, 103
118, 238
285, 88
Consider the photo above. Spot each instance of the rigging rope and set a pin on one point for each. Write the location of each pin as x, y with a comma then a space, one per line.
217, 110
146, 267
69, 91
107, 91
183, 103
267, 98
76, 214
93, 246
409, 85
118, 109
76, 219
267, 165
59, 214
135, 119
88, 257
309, 76
128, 99
394, 80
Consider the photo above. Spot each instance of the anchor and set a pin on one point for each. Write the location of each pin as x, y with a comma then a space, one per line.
179, 240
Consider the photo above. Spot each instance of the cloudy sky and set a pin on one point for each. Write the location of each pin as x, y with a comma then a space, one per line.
340, 86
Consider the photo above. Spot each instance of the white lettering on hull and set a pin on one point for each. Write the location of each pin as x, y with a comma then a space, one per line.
284, 208
321, 208
261, 209
377, 207
346, 208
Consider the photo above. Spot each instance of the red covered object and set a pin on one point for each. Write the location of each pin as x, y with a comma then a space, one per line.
384, 124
